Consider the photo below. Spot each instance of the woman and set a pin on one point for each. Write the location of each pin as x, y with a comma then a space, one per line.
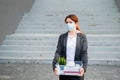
72, 45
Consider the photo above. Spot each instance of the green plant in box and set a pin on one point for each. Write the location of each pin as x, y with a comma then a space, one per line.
62, 61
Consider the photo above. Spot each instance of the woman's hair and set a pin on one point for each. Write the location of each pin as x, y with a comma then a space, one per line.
75, 19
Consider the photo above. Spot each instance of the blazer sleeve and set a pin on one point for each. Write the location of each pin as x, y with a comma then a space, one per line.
84, 56
57, 53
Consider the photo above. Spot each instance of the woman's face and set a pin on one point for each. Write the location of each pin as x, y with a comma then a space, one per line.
68, 20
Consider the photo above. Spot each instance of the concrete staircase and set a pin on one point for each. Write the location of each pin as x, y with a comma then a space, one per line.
37, 34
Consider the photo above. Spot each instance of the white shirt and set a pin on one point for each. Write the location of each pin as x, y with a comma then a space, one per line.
71, 46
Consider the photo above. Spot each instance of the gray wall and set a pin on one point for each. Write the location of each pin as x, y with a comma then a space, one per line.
118, 3
11, 12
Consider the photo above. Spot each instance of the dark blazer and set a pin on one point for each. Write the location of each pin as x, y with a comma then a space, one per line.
80, 53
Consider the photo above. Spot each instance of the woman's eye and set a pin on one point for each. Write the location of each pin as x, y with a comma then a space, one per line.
69, 22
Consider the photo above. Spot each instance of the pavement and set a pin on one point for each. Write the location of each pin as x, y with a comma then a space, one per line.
43, 71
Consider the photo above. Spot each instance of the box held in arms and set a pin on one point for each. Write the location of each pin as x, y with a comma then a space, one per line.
71, 68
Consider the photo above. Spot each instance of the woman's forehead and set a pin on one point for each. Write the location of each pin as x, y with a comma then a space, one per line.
68, 19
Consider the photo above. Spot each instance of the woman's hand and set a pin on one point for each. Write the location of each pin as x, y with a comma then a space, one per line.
82, 71
56, 71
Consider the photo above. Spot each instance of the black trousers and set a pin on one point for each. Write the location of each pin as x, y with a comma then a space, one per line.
66, 77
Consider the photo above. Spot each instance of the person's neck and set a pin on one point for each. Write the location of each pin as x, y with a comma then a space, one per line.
72, 33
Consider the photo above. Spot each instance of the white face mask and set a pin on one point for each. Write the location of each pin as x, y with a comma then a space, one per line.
71, 26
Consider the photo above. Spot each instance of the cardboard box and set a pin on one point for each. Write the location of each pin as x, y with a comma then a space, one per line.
70, 70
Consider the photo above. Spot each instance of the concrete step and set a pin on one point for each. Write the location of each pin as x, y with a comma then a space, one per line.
79, 13
66, 5
90, 26
53, 48
19, 53
106, 55
25, 59
63, 26
103, 37
53, 15
52, 31
104, 19
83, 19
103, 61
90, 37
27, 48
32, 37
54, 42
102, 49
41, 23
82, 14
31, 42
82, 11
62, 22
50, 54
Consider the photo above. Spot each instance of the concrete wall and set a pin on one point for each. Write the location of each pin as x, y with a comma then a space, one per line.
11, 12
118, 3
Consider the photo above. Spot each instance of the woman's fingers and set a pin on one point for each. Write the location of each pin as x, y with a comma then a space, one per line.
56, 71
81, 72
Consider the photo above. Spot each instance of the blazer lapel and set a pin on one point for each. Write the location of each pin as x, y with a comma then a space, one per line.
78, 46
65, 44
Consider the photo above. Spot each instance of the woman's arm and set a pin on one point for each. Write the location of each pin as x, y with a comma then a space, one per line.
57, 53
84, 56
